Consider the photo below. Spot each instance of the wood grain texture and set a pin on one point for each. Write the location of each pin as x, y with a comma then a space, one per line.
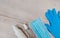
14, 11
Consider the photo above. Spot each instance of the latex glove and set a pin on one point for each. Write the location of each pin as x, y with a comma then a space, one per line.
39, 29
54, 20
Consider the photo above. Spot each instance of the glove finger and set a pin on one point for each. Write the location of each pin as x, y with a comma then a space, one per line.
49, 28
59, 14
54, 12
54, 16
49, 16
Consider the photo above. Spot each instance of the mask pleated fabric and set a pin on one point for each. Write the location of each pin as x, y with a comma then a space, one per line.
39, 29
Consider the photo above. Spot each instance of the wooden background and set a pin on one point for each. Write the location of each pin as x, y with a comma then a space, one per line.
15, 11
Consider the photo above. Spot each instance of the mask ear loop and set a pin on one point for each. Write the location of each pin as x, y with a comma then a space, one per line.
23, 27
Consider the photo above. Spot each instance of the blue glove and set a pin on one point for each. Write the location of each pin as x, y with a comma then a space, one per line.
39, 29
54, 20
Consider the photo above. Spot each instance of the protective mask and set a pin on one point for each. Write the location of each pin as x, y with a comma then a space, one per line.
39, 29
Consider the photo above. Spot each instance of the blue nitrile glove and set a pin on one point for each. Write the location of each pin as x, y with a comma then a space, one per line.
39, 29
54, 20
